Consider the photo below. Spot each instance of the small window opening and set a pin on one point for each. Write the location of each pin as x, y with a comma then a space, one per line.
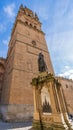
66, 86
35, 27
30, 25
34, 43
26, 22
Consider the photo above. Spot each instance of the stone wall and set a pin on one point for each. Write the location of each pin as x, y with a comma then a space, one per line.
2, 69
27, 41
22, 59
67, 86
15, 112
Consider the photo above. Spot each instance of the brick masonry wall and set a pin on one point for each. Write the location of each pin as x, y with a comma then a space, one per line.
15, 112
21, 66
22, 63
67, 86
2, 69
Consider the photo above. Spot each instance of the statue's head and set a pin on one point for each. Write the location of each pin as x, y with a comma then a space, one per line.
41, 55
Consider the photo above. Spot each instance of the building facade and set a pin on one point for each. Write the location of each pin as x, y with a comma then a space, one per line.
67, 87
2, 70
21, 65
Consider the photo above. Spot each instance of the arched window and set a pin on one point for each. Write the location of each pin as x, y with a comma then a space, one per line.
35, 27
26, 22
30, 25
34, 43
66, 86
29, 15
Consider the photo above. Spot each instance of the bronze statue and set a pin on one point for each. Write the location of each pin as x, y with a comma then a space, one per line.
41, 63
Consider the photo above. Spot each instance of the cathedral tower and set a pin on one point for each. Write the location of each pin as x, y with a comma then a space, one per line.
27, 41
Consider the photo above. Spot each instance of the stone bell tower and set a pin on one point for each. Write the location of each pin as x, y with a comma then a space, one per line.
27, 41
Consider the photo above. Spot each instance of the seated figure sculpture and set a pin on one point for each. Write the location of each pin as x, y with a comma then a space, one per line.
41, 63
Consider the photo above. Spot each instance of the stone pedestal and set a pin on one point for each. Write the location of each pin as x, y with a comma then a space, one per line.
49, 106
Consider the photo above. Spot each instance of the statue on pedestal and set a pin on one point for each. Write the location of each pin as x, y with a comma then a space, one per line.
41, 63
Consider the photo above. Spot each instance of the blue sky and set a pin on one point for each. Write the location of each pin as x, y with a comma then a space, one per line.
57, 23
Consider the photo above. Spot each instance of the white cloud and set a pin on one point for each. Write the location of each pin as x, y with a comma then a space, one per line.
61, 49
67, 67
6, 41
61, 46
67, 73
9, 10
62, 17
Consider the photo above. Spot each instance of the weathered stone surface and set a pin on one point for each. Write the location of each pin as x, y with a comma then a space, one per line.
16, 112
21, 64
67, 87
